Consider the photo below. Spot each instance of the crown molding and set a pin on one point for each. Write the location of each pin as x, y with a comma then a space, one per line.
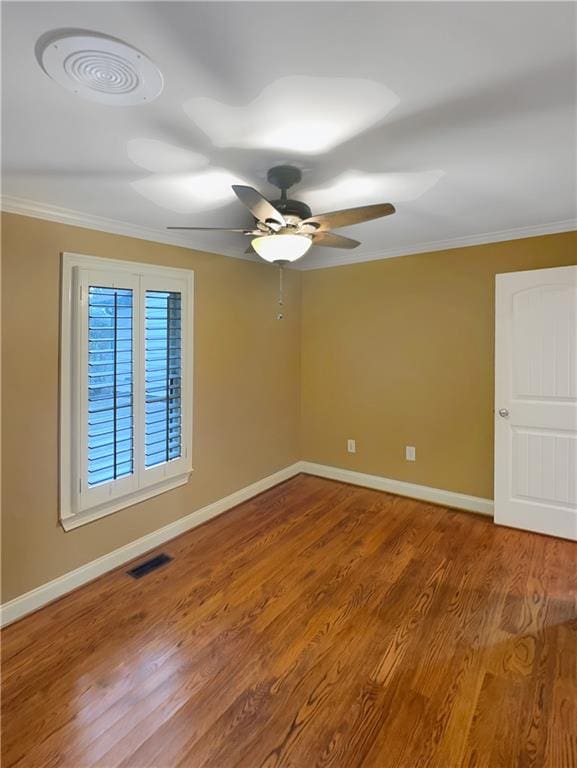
74, 218
36, 210
518, 233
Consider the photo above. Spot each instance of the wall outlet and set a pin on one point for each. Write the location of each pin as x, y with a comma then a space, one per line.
352, 446
410, 453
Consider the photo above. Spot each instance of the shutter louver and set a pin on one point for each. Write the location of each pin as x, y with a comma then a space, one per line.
110, 384
163, 372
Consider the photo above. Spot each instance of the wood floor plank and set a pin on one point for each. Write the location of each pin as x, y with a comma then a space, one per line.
318, 624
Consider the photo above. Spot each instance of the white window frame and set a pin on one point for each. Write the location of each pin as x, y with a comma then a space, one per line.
79, 503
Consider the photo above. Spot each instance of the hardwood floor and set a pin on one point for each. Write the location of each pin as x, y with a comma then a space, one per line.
318, 624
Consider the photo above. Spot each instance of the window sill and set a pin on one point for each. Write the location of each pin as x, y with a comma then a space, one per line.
70, 522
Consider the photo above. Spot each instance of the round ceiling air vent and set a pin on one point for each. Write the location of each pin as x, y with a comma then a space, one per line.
99, 68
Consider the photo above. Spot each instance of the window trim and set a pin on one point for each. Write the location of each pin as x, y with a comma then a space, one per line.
71, 414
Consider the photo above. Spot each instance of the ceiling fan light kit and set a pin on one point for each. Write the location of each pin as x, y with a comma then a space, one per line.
282, 247
285, 229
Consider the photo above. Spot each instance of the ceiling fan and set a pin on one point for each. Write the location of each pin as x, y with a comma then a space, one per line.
285, 229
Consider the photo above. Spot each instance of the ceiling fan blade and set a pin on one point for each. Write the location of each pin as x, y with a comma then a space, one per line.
258, 205
215, 229
329, 240
336, 219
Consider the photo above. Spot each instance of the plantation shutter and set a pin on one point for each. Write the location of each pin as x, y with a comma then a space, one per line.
126, 384
110, 384
163, 377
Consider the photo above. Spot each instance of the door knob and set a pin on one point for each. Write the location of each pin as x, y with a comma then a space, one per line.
503, 412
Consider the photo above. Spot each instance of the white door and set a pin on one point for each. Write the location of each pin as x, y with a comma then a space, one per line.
536, 401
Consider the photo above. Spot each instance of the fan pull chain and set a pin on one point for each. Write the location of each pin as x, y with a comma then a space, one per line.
280, 315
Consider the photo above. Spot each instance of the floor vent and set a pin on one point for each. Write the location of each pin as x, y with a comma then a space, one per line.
149, 565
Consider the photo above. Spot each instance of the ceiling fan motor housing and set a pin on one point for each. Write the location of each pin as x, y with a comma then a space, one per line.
294, 208
284, 177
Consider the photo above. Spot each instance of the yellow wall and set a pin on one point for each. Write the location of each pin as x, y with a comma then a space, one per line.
246, 393
400, 352
391, 352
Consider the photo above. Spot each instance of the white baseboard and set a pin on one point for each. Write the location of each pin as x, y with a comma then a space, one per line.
399, 487
47, 593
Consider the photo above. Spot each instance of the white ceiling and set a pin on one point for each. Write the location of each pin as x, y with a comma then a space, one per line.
462, 114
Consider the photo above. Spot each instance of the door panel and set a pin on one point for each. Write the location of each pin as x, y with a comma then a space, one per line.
555, 453
536, 401
544, 341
